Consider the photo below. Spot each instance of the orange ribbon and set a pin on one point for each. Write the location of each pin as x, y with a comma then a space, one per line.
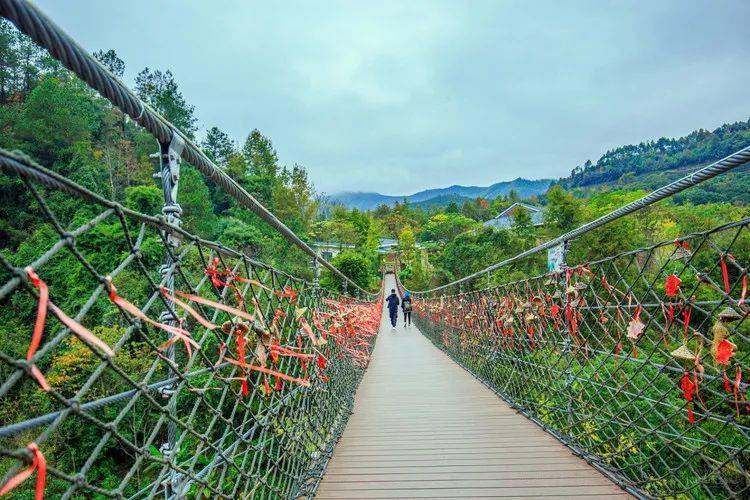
38, 465
41, 316
178, 333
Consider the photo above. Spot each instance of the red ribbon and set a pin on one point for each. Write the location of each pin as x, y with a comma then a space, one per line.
36, 337
725, 273
672, 285
686, 312
178, 333
203, 321
688, 391
286, 293
262, 369
215, 305
38, 465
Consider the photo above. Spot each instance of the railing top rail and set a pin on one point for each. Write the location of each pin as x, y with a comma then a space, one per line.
732, 161
31, 21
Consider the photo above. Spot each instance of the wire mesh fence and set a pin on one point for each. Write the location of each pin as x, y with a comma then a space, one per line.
638, 362
125, 373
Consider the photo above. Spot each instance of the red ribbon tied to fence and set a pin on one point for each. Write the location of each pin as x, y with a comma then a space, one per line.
41, 317
38, 465
672, 285
688, 391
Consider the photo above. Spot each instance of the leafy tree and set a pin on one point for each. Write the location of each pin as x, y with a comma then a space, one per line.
145, 199
260, 155
406, 244
294, 200
56, 115
563, 211
354, 265
197, 212
470, 252
237, 234
8, 60
445, 227
160, 90
218, 146
111, 61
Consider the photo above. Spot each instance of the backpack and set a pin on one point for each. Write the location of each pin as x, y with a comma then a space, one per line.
407, 305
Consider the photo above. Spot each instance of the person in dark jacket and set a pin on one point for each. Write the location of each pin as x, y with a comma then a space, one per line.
406, 307
393, 302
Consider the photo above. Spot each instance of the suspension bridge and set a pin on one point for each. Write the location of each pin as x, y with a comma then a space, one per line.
206, 373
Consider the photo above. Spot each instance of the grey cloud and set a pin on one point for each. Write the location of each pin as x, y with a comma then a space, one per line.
400, 96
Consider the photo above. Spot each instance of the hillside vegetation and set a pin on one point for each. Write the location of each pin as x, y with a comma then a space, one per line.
652, 164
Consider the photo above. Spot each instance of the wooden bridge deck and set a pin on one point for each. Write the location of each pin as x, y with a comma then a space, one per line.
425, 428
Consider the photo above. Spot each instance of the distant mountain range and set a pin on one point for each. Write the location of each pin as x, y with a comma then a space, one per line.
442, 196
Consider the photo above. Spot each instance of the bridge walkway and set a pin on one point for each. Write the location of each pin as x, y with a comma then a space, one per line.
423, 427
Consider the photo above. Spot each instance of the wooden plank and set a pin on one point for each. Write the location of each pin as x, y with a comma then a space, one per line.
423, 427
504, 492
461, 475
415, 469
537, 482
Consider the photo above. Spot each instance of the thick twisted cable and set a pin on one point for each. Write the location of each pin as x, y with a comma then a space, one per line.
31, 21
734, 160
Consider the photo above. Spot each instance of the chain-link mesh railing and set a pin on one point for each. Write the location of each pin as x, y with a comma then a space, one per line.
639, 362
214, 376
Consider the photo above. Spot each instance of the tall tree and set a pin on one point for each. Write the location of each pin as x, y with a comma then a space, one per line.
162, 93
111, 61
8, 60
260, 155
563, 211
218, 146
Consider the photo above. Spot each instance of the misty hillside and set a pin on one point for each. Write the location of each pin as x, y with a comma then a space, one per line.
442, 196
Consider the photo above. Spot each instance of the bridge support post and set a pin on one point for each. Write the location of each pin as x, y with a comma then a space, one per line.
169, 173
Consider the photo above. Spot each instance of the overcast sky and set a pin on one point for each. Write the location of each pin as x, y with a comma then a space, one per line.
400, 96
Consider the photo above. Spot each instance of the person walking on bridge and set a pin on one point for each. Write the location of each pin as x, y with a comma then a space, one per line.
393, 302
406, 307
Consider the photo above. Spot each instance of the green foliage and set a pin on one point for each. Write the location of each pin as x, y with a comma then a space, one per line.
697, 147
446, 227
197, 212
239, 235
354, 265
111, 61
563, 211
144, 199
160, 90
218, 146
470, 252
39, 130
